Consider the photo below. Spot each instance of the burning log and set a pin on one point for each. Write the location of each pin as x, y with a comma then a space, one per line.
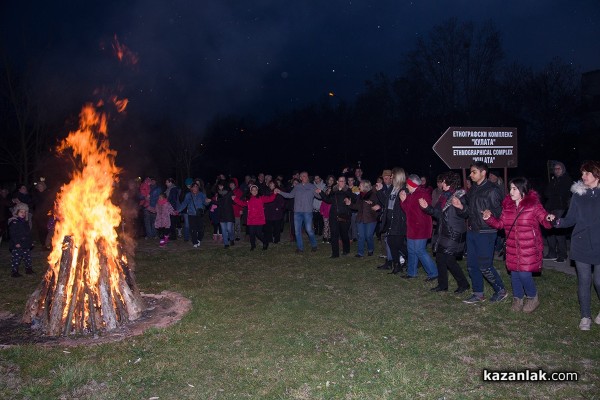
89, 285
68, 302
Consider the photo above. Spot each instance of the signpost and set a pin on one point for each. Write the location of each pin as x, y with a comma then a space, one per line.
460, 147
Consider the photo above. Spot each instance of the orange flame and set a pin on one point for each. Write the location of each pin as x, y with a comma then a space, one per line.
83, 207
120, 104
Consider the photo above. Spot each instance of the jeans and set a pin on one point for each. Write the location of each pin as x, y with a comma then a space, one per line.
417, 251
186, 227
304, 218
522, 284
584, 283
480, 261
149, 219
353, 227
365, 232
227, 231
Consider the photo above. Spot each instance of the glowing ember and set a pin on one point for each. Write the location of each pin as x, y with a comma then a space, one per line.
88, 285
123, 53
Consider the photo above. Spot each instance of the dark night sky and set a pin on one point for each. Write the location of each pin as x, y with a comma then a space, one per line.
199, 58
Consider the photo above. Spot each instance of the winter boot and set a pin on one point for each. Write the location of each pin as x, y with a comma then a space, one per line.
397, 268
517, 304
386, 265
531, 304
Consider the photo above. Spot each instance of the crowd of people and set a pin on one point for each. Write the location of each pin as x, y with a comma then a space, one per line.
398, 210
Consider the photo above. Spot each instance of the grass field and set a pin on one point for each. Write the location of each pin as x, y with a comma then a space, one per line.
276, 325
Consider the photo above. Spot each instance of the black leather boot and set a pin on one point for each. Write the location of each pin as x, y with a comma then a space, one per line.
397, 268
386, 265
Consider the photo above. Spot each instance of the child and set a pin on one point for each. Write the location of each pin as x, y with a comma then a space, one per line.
226, 213
256, 215
20, 240
164, 210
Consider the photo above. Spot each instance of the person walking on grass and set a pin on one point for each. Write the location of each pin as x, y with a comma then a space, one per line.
339, 215
449, 243
481, 238
226, 213
303, 194
195, 201
419, 229
162, 222
256, 215
558, 195
366, 217
584, 216
393, 221
522, 215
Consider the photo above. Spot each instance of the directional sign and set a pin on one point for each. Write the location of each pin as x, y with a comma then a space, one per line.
459, 147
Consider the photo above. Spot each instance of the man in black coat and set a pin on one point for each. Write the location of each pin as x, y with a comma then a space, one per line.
558, 195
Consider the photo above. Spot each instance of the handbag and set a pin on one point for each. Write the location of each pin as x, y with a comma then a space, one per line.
503, 250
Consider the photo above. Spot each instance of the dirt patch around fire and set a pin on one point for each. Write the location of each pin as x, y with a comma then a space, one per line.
162, 310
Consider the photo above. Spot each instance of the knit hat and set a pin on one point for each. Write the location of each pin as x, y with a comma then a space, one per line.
188, 181
387, 172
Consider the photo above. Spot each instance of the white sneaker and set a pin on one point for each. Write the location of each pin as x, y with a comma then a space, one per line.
597, 320
585, 324
197, 245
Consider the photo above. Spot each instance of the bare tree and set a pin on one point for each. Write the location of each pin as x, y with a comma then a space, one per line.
456, 64
23, 136
185, 147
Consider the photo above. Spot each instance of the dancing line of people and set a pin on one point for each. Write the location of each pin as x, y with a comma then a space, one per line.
399, 209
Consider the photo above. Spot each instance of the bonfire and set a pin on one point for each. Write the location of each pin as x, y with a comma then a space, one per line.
89, 286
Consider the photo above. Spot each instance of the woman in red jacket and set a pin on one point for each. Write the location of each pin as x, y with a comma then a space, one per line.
522, 214
256, 215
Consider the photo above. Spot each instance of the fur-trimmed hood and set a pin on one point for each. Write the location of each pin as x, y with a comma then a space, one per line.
531, 198
579, 188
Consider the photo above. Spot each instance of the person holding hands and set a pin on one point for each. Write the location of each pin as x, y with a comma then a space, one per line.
522, 215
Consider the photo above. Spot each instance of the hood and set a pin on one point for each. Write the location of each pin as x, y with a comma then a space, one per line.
579, 188
564, 169
531, 198
19, 207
